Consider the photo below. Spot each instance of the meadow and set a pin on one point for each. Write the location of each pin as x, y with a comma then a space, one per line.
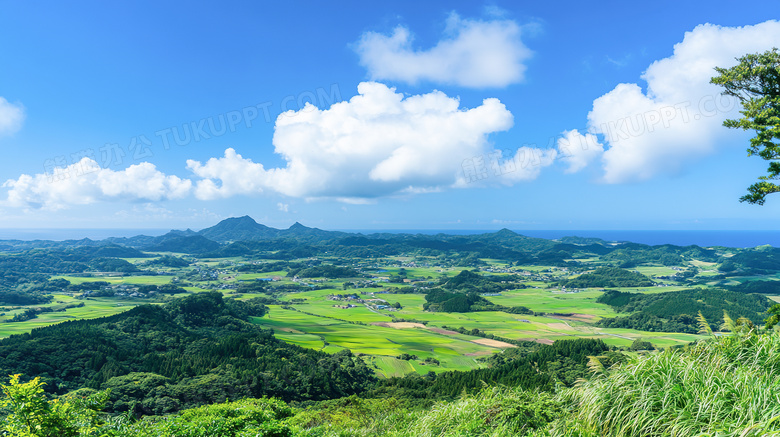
314, 321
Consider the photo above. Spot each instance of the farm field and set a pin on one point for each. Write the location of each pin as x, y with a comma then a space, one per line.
317, 323
93, 308
380, 310
455, 352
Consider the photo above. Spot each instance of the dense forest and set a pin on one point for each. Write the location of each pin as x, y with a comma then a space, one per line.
676, 311
609, 277
195, 350
563, 362
202, 356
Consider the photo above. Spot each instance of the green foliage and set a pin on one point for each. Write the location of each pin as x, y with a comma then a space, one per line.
247, 417
753, 262
164, 288
407, 357
674, 311
112, 265
609, 277
252, 287
325, 271
651, 323
168, 261
563, 362
192, 244
16, 297
774, 316
762, 287
453, 302
201, 347
492, 411
30, 414
755, 81
725, 386
641, 345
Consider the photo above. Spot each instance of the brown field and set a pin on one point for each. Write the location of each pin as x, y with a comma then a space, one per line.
538, 340
399, 325
492, 343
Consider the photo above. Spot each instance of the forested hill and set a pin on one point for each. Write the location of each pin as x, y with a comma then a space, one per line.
563, 362
243, 236
195, 350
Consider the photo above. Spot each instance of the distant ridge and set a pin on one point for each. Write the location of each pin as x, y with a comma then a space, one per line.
247, 229
244, 235
238, 229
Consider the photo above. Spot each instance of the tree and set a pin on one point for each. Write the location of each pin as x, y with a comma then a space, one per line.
774, 316
31, 414
641, 345
755, 81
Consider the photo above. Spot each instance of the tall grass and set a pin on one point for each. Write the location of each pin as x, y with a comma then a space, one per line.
493, 412
723, 386
726, 386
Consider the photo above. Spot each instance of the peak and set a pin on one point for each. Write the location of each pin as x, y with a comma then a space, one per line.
244, 221
245, 218
297, 225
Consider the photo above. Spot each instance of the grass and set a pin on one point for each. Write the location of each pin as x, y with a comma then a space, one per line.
494, 411
544, 300
138, 280
652, 271
331, 329
351, 328
726, 386
378, 341
93, 308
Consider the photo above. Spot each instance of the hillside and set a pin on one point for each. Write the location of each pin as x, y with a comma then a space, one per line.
645, 396
194, 350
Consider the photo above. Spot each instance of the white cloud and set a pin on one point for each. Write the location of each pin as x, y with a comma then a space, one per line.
11, 116
679, 116
283, 207
85, 182
379, 143
578, 150
472, 53
235, 174
376, 144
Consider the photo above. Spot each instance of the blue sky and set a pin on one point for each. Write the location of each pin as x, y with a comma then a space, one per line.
173, 115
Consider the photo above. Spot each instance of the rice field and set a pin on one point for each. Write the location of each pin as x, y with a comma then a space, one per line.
455, 352
93, 308
316, 322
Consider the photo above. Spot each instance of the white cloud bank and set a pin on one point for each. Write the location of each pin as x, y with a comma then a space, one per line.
11, 116
379, 143
376, 144
679, 116
472, 53
85, 182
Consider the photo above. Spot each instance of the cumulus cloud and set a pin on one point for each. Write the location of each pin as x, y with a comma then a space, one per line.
578, 150
472, 53
235, 175
85, 182
679, 115
283, 207
378, 143
11, 116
